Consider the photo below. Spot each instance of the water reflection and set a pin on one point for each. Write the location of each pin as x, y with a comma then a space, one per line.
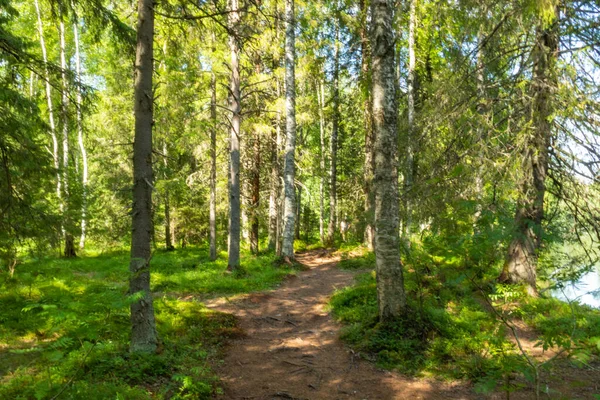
585, 291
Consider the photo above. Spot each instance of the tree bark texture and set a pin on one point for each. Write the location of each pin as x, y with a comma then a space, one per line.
234, 140
289, 169
144, 337
390, 281
521, 263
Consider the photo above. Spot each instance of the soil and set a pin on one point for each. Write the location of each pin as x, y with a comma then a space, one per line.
291, 350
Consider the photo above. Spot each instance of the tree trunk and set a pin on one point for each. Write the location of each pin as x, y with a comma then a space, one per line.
521, 263
289, 170
390, 282
274, 188
234, 141
368, 167
213, 164
334, 134
55, 157
144, 337
82, 149
321, 98
67, 221
298, 213
169, 237
255, 195
411, 138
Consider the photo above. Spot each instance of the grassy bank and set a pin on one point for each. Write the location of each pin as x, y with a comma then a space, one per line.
64, 325
457, 325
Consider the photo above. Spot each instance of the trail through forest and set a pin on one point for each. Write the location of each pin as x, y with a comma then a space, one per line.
292, 350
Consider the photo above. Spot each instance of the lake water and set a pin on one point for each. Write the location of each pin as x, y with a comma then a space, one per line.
586, 290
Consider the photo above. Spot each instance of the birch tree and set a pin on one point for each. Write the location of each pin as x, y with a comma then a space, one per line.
390, 282
289, 213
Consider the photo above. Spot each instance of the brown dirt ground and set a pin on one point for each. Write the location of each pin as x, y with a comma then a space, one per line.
291, 350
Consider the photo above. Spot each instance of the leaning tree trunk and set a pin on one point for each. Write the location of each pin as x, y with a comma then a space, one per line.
51, 123
390, 282
521, 263
334, 135
82, 149
144, 337
289, 170
234, 141
213, 164
368, 166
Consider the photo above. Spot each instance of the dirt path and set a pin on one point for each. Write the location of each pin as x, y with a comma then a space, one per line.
292, 350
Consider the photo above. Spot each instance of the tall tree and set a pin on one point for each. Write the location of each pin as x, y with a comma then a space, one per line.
521, 263
321, 99
80, 141
333, 141
213, 161
410, 143
144, 338
234, 139
48, 86
366, 95
289, 171
390, 281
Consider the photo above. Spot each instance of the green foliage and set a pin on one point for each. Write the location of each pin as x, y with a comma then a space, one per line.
450, 330
64, 325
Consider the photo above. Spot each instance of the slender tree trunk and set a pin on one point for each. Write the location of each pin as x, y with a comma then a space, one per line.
411, 139
274, 188
366, 94
298, 213
144, 337
55, 156
255, 196
390, 282
334, 135
67, 221
321, 98
82, 149
289, 171
213, 164
280, 185
169, 239
234, 141
521, 263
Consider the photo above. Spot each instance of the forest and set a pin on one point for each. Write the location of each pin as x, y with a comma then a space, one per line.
292, 199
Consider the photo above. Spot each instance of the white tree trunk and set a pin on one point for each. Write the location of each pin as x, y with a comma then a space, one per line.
55, 156
390, 281
84, 160
289, 213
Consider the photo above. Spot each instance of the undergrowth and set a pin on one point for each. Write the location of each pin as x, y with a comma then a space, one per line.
449, 330
64, 326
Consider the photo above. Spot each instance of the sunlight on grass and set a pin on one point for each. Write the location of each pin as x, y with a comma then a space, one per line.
65, 322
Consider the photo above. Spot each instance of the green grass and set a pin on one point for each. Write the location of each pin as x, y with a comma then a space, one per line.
64, 325
449, 330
